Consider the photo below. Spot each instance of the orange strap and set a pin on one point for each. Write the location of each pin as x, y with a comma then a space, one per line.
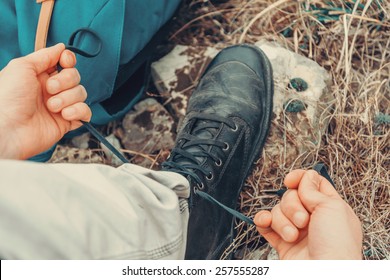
43, 23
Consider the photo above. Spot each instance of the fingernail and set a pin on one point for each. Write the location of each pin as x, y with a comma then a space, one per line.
258, 219
55, 103
53, 85
70, 57
299, 219
69, 112
288, 233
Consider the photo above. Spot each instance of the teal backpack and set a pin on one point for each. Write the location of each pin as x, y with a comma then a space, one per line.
128, 29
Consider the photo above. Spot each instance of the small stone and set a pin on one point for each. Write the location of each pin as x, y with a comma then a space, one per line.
110, 155
273, 255
265, 252
81, 141
148, 128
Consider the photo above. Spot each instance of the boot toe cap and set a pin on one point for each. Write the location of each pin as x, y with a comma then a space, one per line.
250, 55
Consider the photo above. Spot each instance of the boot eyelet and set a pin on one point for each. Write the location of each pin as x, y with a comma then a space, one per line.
235, 127
218, 162
226, 147
210, 176
200, 186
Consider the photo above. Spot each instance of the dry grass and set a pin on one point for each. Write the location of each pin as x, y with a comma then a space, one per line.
351, 40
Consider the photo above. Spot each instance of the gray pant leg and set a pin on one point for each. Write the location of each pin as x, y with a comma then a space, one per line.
88, 211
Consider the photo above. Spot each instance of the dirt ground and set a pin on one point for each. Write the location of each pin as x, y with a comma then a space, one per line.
351, 40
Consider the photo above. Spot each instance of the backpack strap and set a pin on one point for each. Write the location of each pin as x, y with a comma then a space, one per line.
43, 23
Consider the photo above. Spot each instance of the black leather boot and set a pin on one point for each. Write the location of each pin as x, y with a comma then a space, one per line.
223, 133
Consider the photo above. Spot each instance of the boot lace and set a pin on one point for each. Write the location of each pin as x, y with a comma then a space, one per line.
188, 157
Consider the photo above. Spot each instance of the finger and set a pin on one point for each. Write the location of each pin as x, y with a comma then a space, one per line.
293, 209
44, 59
75, 125
263, 221
282, 225
66, 98
77, 112
293, 178
309, 190
67, 59
52, 71
66, 79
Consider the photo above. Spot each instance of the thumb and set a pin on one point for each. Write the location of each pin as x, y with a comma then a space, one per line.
45, 59
309, 190
310, 187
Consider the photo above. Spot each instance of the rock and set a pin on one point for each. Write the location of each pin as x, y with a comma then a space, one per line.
273, 255
75, 155
149, 128
175, 74
81, 141
301, 101
265, 252
114, 160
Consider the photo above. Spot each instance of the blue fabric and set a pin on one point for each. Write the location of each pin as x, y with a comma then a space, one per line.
45, 156
125, 27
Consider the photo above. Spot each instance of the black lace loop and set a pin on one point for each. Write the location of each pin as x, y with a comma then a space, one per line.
84, 53
85, 31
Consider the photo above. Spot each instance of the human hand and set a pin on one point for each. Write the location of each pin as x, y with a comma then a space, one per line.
37, 104
312, 221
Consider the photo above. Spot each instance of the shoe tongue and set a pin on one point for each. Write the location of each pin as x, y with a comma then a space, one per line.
206, 133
